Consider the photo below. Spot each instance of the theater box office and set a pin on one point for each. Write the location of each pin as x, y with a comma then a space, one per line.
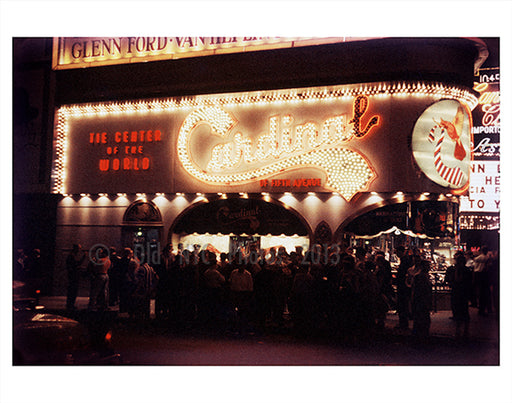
286, 159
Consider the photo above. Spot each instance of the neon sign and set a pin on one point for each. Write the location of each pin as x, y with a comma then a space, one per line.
307, 139
284, 146
487, 118
441, 143
490, 103
124, 149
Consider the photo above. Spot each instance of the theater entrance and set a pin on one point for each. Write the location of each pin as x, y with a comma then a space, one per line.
231, 224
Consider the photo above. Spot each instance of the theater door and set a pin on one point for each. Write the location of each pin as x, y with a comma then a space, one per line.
142, 229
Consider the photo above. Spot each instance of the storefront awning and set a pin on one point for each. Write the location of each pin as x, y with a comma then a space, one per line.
240, 216
395, 231
429, 219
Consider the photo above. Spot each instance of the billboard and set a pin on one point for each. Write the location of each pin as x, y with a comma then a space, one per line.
485, 188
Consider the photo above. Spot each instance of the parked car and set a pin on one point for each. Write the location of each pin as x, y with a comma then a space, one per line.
42, 338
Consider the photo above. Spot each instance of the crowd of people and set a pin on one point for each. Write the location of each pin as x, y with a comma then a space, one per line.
474, 282
348, 293
325, 289
124, 280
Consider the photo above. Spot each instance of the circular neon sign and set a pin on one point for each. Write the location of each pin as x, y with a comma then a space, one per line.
441, 143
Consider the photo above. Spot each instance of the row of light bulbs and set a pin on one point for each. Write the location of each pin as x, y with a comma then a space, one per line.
278, 96
348, 171
246, 195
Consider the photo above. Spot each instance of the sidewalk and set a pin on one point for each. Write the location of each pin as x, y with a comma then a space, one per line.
482, 328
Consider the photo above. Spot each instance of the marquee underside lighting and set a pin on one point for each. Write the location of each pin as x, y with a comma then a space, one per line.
436, 90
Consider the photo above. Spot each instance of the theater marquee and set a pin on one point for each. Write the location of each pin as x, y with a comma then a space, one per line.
76, 52
343, 139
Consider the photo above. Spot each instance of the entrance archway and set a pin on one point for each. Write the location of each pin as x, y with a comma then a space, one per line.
430, 225
142, 228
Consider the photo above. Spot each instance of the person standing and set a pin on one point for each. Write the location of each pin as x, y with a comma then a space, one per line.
350, 319
213, 282
73, 262
163, 270
421, 300
146, 282
385, 298
99, 267
493, 272
128, 265
114, 278
263, 295
448, 281
481, 280
461, 294
470, 263
384, 276
241, 286
369, 295
403, 292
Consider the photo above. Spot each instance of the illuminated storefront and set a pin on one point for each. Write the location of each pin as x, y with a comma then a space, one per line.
273, 166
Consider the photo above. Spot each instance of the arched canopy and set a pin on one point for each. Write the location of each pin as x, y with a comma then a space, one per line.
240, 216
142, 212
428, 218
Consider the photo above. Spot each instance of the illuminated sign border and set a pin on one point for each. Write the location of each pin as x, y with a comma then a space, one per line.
382, 90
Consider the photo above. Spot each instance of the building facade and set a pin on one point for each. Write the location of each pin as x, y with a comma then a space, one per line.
223, 143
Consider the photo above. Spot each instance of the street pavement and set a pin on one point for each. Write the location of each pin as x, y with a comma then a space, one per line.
482, 328
160, 345
280, 366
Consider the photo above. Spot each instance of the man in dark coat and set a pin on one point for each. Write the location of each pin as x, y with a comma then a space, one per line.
403, 293
73, 262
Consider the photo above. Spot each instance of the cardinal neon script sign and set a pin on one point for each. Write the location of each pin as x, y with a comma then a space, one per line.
287, 144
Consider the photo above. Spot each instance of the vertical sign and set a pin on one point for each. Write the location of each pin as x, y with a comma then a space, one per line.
486, 116
484, 190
